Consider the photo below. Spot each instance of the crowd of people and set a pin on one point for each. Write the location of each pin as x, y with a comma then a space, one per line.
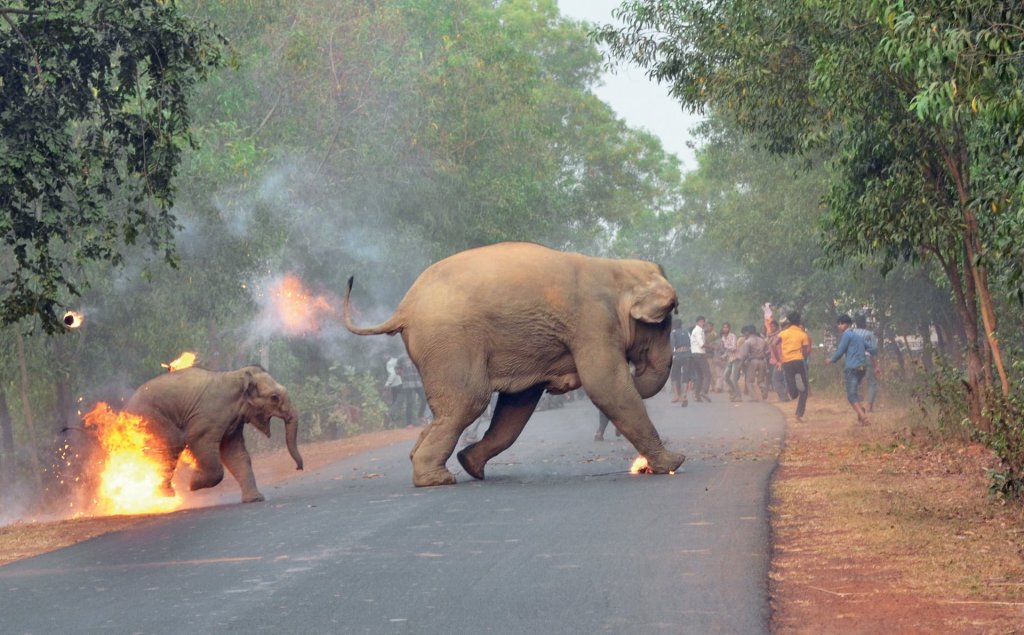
771, 357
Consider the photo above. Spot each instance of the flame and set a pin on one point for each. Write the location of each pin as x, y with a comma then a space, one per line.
185, 360
73, 319
640, 466
131, 476
297, 309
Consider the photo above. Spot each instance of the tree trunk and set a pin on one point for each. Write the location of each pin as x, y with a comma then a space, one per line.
974, 268
66, 413
927, 350
965, 305
37, 473
7, 459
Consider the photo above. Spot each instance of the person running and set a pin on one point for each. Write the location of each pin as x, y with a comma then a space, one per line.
853, 346
795, 348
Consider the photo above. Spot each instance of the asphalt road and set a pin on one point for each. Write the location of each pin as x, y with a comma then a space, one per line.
558, 539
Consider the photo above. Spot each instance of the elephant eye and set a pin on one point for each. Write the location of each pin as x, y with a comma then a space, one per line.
275, 398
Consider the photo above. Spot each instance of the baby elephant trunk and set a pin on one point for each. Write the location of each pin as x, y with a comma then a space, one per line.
291, 437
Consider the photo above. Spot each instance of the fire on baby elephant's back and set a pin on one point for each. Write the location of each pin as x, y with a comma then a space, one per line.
524, 318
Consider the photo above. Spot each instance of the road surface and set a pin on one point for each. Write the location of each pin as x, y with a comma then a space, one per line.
558, 539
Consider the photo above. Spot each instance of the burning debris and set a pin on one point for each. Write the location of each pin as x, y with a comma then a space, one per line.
185, 360
640, 466
73, 319
294, 310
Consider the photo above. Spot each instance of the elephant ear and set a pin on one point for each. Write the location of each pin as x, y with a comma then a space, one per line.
653, 301
253, 412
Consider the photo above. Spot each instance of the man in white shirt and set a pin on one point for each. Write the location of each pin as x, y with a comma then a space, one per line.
701, 368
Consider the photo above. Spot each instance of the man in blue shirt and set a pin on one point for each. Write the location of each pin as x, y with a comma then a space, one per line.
856, 350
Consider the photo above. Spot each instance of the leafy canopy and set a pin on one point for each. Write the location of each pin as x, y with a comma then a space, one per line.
93, 119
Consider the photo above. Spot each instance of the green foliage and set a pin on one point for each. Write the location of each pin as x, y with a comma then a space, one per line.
93, 120
1005, 437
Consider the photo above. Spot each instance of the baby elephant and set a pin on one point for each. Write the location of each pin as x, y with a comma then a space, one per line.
204, 411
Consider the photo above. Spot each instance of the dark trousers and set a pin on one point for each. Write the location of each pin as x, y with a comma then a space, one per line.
796, 383
701, 374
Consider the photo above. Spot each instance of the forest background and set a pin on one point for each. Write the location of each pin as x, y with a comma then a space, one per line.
165, 165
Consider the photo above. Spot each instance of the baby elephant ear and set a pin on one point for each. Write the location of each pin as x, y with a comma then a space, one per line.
653, 301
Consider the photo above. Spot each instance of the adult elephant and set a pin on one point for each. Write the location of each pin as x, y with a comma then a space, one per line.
519, 319
205, 411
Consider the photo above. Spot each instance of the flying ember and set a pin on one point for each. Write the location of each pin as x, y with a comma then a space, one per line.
297, 309
130, 477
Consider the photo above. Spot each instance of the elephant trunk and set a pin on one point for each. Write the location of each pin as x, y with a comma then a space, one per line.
291, 437
651, 380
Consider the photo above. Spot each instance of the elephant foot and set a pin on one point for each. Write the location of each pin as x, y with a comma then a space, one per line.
203, 481
665, 462
433, 478
253, 498
473, 468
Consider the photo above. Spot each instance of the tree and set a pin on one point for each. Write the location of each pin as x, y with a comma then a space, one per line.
898, 95
93, 119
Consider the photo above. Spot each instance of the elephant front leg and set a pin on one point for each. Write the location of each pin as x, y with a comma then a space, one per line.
611, 388
236, 457
511, 413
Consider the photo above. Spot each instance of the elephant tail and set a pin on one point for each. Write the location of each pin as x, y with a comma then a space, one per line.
391, 326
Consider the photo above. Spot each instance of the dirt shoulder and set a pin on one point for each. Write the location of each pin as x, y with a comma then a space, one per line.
878, 530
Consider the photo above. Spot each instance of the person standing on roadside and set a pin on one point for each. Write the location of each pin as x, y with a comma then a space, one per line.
852, 345
680, 374
701, 368
795, 349
753, 358
728, 356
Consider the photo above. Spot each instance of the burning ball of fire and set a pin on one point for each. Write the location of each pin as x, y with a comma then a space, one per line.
297, 309
131, 472
73, 319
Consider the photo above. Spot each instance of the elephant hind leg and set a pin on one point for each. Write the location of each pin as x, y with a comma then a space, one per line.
437, 441
208, 470
511, 413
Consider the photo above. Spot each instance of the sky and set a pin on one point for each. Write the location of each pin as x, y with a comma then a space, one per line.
641, 102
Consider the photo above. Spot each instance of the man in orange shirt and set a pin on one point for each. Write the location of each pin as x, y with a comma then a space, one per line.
795, 348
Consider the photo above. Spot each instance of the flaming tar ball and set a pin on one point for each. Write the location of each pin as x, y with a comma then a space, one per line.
73, 319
